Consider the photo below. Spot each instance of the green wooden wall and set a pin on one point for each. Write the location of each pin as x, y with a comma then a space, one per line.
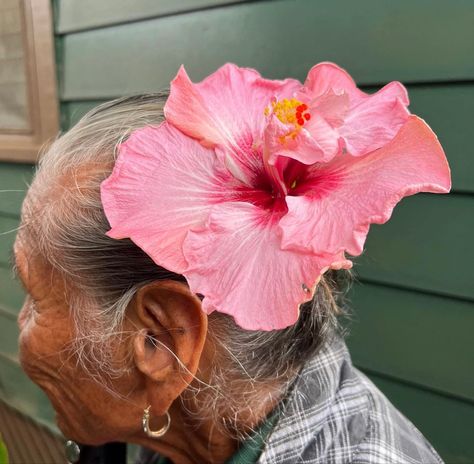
413, 314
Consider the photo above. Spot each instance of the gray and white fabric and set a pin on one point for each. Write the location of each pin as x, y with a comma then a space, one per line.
335, 415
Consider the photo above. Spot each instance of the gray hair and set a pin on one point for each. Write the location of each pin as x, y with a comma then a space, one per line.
63, 215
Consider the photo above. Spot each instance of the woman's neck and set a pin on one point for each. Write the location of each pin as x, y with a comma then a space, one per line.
190, 442
186, 443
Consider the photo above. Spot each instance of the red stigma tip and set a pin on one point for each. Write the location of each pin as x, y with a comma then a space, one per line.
307, 116
301, 121
304, 107
300, 108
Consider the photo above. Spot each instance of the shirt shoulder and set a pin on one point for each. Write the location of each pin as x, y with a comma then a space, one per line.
338, 416
390, 437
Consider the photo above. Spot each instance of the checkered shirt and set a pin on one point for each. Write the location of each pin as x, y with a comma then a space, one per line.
336, 415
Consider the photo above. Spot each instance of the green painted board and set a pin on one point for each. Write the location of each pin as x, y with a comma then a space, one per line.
413, 336
376, 40
447, 423
447, 108
426, 245
73, 111
76, 15
20, 392
11, 291
14, 181
8, 333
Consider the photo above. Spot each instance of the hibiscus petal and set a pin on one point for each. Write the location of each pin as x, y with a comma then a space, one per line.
332, 107
317, 142
303, 147
237, 263
392, 91
337, 202
375, 120
227, 109
327, 77
365, 122
163, 184
325, 136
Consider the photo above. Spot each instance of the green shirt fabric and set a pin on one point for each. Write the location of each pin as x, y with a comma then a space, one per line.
250, 450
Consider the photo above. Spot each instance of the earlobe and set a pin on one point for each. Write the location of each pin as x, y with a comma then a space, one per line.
170, 341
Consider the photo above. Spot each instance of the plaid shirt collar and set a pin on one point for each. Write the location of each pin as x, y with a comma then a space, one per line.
335, 415
307, 406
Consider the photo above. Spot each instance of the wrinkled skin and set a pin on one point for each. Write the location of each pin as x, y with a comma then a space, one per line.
88, 411
85, 410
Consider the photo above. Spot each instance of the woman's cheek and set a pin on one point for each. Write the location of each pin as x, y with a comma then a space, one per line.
32, 342
25, 354
28, 356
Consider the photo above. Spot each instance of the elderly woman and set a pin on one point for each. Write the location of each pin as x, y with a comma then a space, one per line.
182, 259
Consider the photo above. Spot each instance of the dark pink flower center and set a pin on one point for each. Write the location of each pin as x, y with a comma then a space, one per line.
313, 181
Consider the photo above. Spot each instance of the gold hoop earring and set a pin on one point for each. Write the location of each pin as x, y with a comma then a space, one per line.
146, 424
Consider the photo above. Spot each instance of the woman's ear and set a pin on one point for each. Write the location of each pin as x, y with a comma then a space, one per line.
168, 347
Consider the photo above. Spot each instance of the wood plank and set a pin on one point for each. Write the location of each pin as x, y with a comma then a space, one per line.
447, 109
8, 334
14, 179
20, 392
27, 441
11, 291
426, 245
376, 40
414, 337
73, 111
77, 15
446, 422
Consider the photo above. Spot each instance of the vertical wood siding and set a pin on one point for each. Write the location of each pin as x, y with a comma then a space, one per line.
413, 304
27, 441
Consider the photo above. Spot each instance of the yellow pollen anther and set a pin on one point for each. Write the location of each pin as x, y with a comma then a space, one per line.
292, 112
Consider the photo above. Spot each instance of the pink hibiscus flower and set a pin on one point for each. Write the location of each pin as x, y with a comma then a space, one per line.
253, 188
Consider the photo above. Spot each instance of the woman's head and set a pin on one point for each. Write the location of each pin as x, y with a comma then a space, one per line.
110, 332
